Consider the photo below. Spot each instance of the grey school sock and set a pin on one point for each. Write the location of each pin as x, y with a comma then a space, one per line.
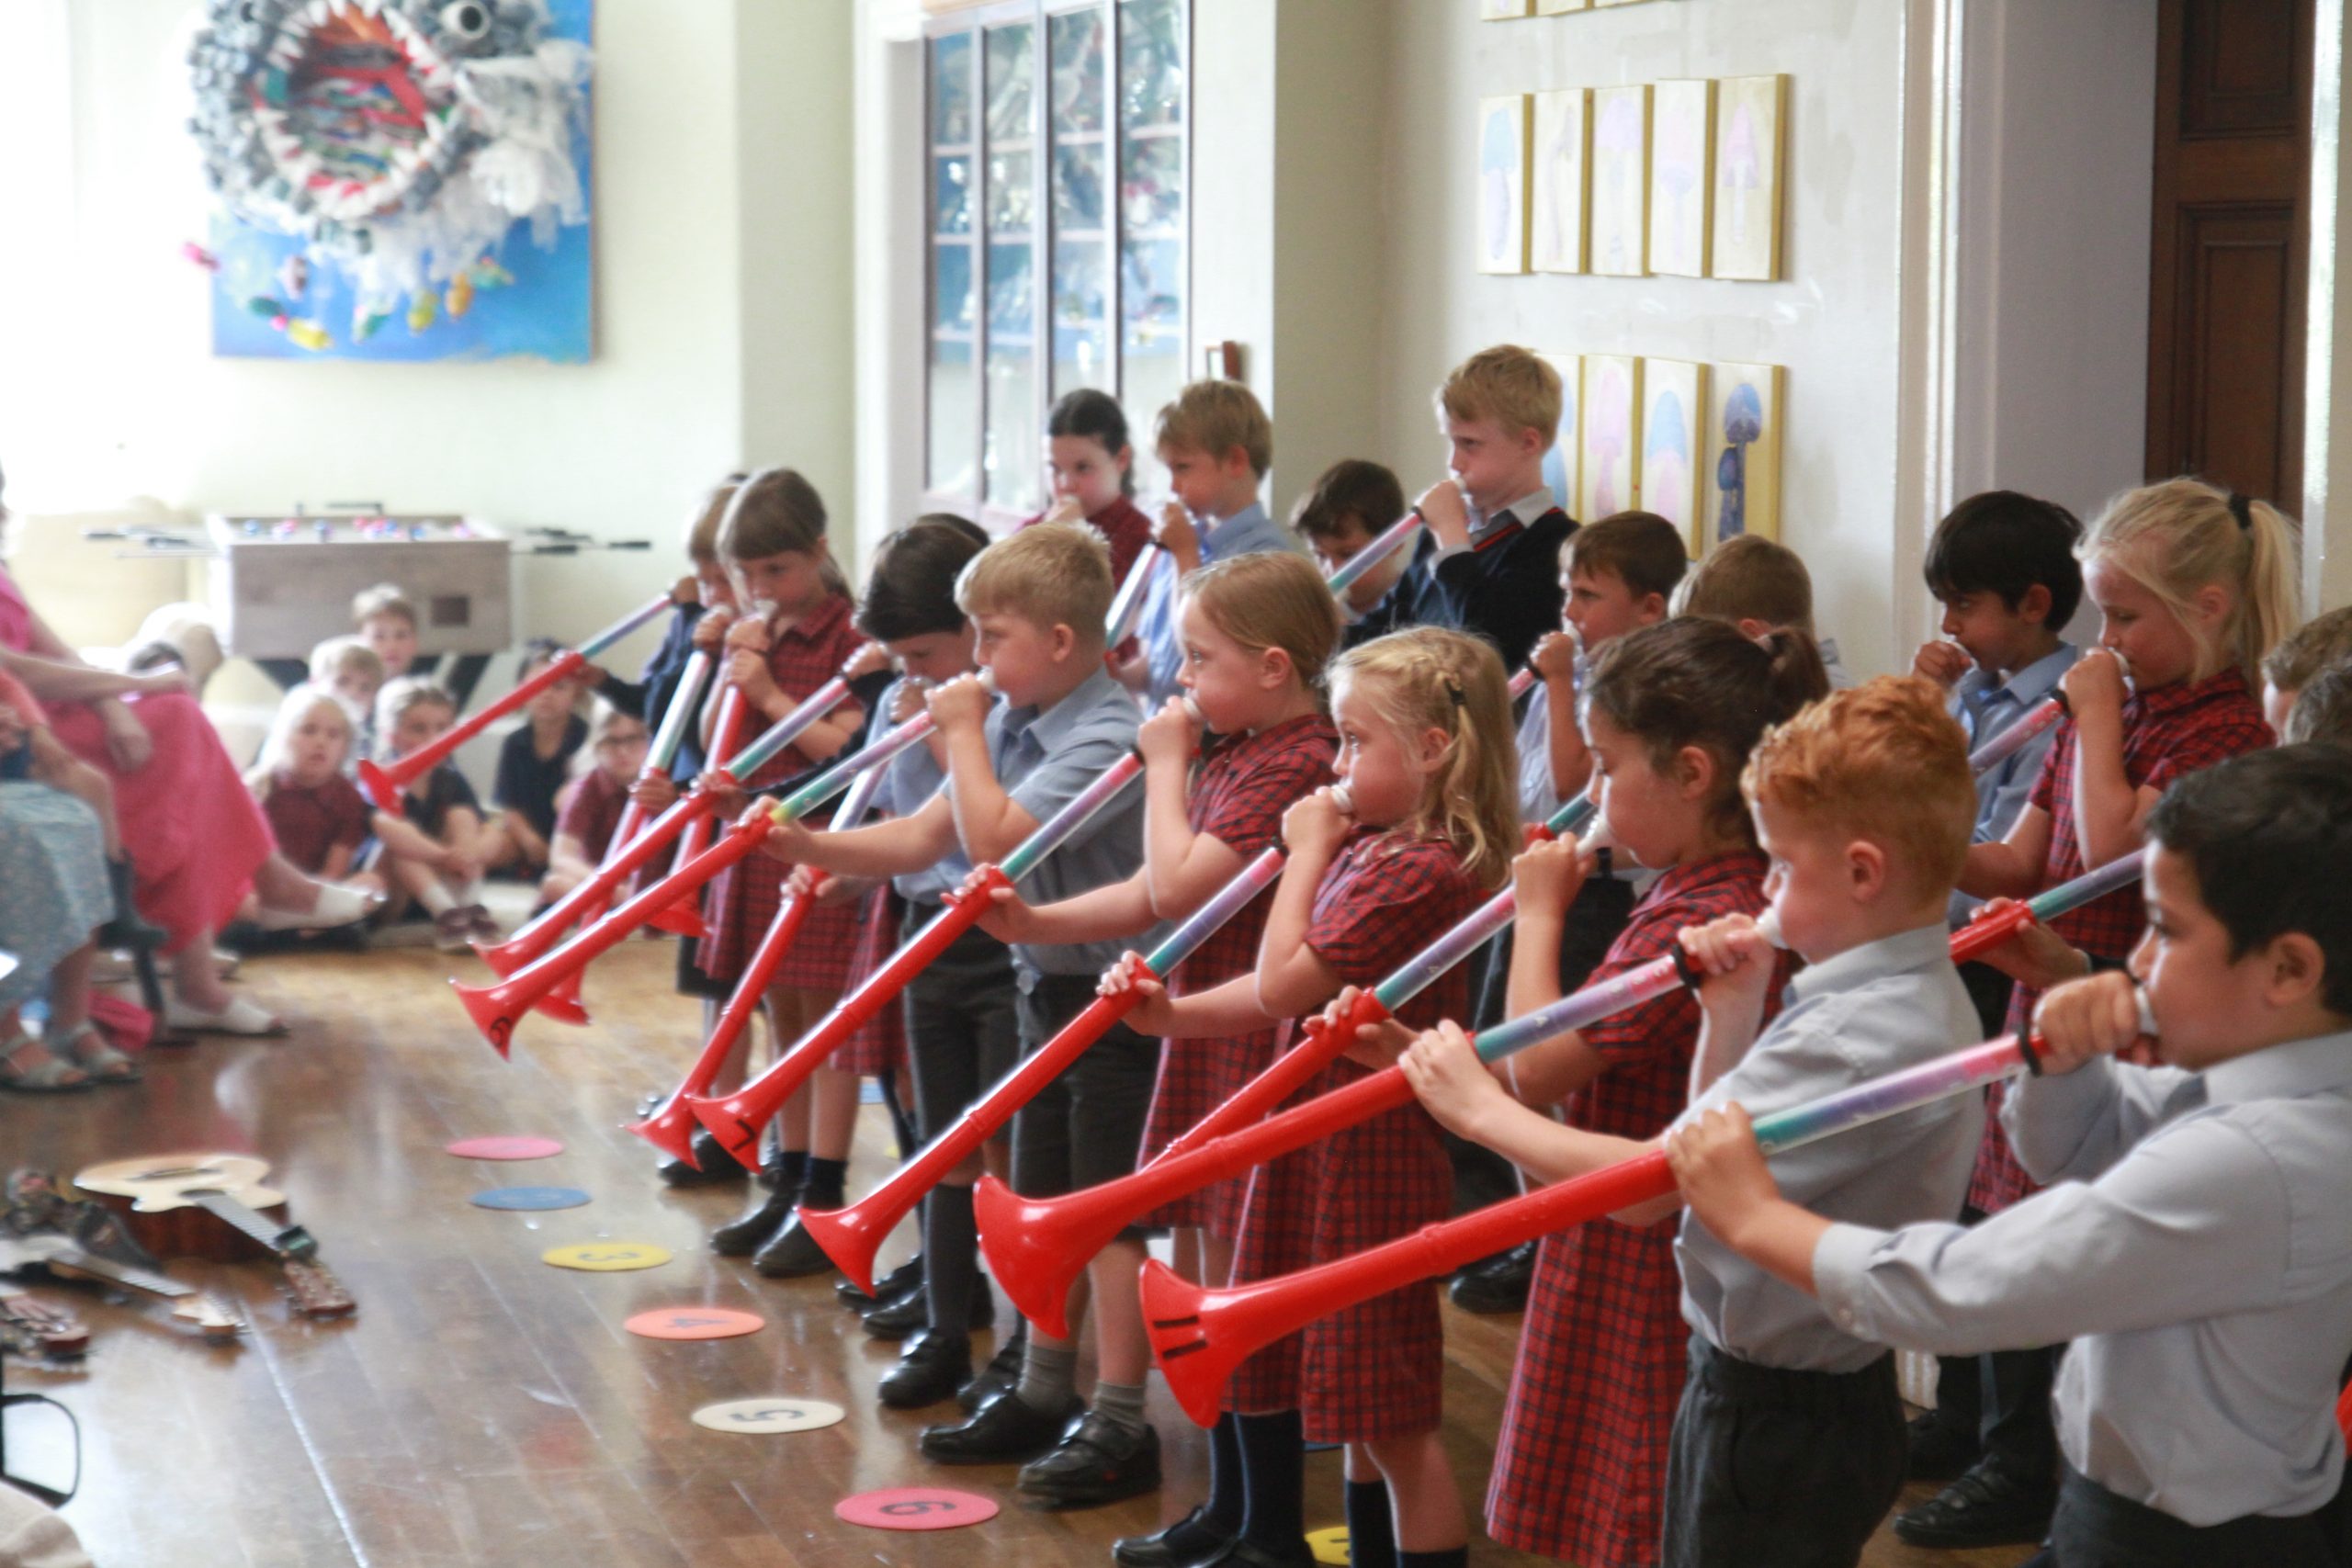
1049, 1376
1121, 1404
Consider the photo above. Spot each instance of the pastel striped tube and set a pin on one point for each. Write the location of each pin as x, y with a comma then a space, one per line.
1385, 543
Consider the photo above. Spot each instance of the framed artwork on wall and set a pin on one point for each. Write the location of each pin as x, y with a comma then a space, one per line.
1500, 10
1681, 146
1503, 127
1751, 118
1610, 463
1621, 183
1556, 208
1557, 7
1563, 464
1743, 489
1673, 399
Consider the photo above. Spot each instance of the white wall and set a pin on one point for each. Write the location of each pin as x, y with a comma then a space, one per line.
1834, 323
2052, 327
722, 203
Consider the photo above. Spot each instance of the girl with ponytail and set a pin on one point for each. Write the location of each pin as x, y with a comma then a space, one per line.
1421, 825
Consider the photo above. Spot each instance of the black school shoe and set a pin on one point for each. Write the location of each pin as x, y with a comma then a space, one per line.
888, 1288
998, 1377
1005, 1431
931, 1369
1188, 1541
898, 1318
1499, 1285
1984, 1508
741, 1236
718, 1167
1096, 1462
792, 1253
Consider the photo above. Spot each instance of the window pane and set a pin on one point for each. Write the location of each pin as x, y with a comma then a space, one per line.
1014, 455
1012, 193
951, 194
951, 90
1081, 314
1078, 42
953, 415
1013, 82
1077, 187
951, 391
1151, 207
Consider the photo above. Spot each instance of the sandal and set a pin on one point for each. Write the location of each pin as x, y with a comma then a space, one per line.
337, 905
87, 1047
55, 1074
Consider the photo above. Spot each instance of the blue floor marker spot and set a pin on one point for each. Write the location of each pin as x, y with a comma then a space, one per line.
530, 1198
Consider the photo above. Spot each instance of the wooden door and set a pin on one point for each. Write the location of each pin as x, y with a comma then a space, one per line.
2229, 243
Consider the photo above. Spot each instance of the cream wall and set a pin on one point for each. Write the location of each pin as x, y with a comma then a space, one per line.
723, 199
1834, 323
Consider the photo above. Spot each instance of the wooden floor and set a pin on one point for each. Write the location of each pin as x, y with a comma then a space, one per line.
485, 1408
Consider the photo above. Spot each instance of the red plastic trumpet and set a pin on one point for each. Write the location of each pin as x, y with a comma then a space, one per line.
1038, 1245
1201, 1335
736, 1119
850, 1236
497, 1009
384, 783
563, 1004
670, 1128
540, 934
683, 919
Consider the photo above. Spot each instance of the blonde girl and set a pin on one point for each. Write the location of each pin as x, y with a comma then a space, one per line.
1430, 824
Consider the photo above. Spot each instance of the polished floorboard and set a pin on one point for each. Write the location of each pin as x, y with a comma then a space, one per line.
483, 1407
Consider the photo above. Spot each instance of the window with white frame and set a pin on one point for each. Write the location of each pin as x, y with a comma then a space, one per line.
1055, 142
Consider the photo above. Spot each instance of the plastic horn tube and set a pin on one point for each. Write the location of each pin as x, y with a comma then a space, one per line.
726, 734
1315, 1050
497, 1009
851, 1234
670, 1128
563, 1004
540, 935
736, 1119
384, 782
1037, 1247
1985, 933
2036, 720
1200, 1337
1128, 606
1384, 544
1519, 683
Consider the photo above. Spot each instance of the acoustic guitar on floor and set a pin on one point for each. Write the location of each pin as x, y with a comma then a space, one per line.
210, 1316
213, 1206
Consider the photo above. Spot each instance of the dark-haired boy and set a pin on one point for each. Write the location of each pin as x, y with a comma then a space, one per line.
2196, 1241
2003, 566
1351, 504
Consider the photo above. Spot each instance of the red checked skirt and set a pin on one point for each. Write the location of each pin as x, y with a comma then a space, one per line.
1601, 1370
1373, 1372
880, 1045
742, 902
1195, 1078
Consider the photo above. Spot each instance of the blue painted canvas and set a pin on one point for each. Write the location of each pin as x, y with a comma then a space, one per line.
392, 183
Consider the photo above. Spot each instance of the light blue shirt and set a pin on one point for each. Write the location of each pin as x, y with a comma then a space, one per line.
1247, 532
1867, 1011
1839, 680
1044, 760
915, 776
2196, 1246
1986, 706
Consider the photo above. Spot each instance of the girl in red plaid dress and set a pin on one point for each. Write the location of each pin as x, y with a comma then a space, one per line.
772, 540
1672, 711
2194, 585
1427, 763
1092, 468
1258, 630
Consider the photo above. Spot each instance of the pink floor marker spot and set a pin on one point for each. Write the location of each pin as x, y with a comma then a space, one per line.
694, 1323
915, 1509
506, 1148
